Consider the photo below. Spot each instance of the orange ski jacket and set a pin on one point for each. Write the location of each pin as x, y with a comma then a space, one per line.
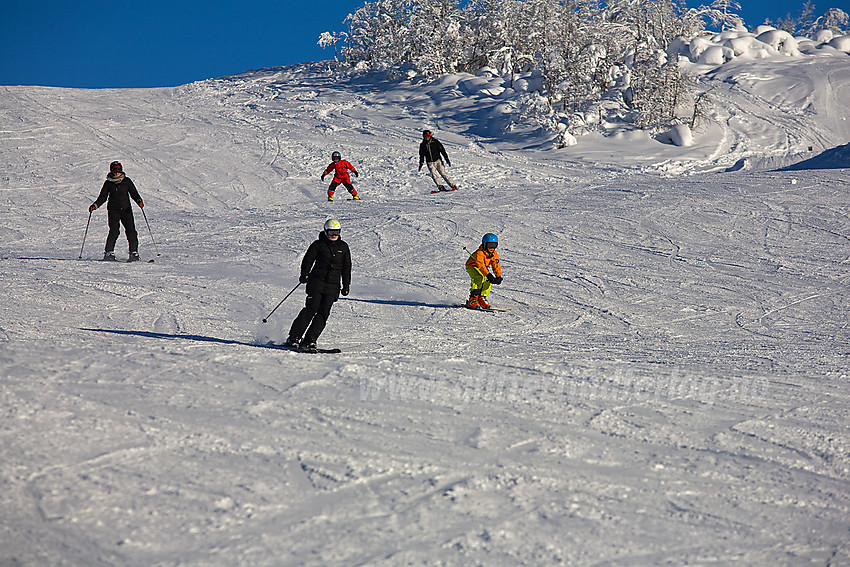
482, 259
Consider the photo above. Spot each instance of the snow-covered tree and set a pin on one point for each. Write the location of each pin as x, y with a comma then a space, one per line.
724, 14
436, 36
330, 39
805, 23
378, 34
647, 28
834, 20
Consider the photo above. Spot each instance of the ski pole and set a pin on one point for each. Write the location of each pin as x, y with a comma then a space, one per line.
266, 320
155, 247
84, 236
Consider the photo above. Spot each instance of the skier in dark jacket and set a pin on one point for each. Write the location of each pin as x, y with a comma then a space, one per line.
118, 189
326, 266
432, 152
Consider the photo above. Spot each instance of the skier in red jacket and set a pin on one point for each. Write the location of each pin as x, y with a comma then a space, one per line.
340, 167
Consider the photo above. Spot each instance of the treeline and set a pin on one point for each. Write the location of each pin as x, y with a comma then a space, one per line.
580, 49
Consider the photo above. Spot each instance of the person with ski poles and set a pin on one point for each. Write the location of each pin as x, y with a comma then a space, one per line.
340, 167
118, 189
478, 267
326, 269
432, 152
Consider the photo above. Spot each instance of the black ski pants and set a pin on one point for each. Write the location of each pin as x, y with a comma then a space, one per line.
332, 187
315, 314
117, 217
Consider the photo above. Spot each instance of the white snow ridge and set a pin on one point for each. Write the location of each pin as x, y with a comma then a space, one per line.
668, 387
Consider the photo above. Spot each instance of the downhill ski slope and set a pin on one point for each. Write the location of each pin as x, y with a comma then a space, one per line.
670, 385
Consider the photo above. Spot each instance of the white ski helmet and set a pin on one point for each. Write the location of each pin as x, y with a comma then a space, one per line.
332, 224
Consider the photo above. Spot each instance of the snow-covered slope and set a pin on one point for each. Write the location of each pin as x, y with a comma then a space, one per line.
669, 386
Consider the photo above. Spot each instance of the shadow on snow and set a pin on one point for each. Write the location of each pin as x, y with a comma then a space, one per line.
198, 338
403, 303
834, 158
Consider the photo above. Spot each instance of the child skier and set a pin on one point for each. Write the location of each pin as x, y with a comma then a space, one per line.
478, 267
340, 167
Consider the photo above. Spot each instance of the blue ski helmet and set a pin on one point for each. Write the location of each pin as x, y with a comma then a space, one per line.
490, 239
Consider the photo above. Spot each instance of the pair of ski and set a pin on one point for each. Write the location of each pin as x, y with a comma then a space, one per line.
444, 190
487, 309
129, 261
283, 346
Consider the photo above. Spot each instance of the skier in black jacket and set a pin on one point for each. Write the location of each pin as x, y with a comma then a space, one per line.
432, 152
325, 266
118, 189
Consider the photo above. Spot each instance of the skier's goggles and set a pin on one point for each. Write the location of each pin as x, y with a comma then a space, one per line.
491, 245
332, 232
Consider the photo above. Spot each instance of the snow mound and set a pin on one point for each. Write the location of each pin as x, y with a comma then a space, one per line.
716, 55
749, 47
823, 36
781, 41
763, 42
841, 43
679, 135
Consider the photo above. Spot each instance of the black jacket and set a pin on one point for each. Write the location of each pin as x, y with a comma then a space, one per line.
431, 150
118, 194
325, 263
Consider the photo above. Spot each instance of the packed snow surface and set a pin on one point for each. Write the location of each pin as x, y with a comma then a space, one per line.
669, 385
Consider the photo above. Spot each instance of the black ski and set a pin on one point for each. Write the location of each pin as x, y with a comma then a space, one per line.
296, 349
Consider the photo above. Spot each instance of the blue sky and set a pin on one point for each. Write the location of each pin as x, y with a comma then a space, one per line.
149, 43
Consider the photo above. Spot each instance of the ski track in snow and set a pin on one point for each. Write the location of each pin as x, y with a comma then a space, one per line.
668, 387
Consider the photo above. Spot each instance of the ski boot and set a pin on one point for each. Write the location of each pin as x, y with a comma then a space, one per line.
308, 346
355, 197
441, 188
483, 303
472, 302
291, 342
109, 257
330, 197
134, 257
